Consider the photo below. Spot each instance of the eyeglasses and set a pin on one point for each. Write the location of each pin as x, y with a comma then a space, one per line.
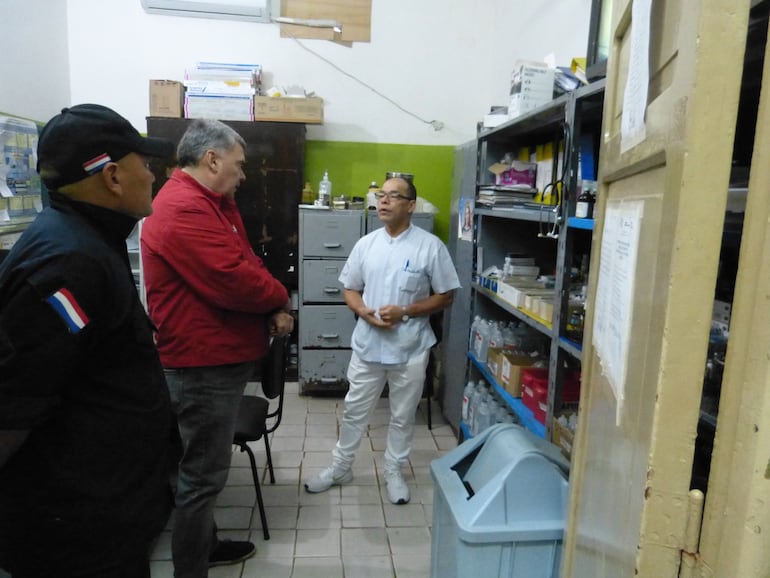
392, 195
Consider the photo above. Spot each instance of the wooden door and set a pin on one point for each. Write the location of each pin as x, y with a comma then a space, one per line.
655, 253
736, 518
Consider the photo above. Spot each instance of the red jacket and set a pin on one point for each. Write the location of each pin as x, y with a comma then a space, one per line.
207, 292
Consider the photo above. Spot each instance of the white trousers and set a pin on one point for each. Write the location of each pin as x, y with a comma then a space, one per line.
367, 380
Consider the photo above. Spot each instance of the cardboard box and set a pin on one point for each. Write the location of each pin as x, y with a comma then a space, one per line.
532, 78
494, 361
166, 98
511, 366
492, 120
515, 173
289, 109
219, 107
562, 437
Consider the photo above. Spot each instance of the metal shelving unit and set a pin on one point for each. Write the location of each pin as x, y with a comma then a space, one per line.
549, 233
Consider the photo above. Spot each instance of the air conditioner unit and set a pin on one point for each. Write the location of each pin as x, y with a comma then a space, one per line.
251, 10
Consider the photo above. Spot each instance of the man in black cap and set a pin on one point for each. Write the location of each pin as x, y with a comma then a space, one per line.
84, 409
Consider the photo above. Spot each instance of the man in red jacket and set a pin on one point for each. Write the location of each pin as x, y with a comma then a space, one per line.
214, 304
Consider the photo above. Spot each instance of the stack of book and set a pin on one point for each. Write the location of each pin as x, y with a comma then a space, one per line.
505, 195
223, 91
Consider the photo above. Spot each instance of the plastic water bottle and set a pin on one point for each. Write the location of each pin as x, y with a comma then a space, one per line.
476, 397
501, 412
325, 190
482, 341
467, 393
495, 336
481, 419
474, 329
511, 341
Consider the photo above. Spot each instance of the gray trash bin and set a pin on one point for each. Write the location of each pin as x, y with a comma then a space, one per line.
499, 507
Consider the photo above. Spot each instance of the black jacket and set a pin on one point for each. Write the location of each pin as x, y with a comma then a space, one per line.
91, 480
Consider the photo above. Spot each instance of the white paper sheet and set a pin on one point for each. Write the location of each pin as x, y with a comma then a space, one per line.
5, 190
632, 128
615, 292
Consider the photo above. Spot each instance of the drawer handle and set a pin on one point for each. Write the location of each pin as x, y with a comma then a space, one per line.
332, 245
331, 290
330, 336
329, 380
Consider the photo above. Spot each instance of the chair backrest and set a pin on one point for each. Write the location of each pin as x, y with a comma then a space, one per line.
274, 367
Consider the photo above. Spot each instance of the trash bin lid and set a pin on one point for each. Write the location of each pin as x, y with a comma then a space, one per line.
508, 444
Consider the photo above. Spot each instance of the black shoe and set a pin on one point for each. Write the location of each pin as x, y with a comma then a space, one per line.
231, 552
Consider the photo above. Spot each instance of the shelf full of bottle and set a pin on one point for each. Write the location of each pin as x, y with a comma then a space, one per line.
508, 382
519, 277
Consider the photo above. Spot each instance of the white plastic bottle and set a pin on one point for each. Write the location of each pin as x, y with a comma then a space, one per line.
371, 199
467, 393
481, 419
511, 341
476, 397
482, 341
500, 414
495, 336
474, 329
325, 191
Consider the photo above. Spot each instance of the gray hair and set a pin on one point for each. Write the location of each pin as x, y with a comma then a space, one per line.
205, 134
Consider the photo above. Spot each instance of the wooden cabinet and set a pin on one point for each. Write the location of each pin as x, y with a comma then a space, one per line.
268, 199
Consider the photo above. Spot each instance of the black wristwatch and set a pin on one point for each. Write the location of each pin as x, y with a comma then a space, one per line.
404, 315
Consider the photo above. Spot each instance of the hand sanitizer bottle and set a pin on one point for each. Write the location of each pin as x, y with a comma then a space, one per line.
325, 190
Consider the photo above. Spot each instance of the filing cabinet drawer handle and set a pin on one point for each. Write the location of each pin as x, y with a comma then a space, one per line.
332, 245
331, 290
330, 336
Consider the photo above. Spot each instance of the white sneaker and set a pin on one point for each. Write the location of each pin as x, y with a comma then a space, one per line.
398, 491
328, 478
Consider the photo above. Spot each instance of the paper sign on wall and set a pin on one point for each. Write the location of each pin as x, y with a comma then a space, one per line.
615, 292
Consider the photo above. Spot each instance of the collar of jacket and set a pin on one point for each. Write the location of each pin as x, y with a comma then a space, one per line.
111, 224
189, 180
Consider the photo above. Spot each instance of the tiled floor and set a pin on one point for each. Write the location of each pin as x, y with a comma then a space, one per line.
350, 532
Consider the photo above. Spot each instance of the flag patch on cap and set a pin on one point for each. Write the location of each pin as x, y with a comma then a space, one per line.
67, 307
96, 164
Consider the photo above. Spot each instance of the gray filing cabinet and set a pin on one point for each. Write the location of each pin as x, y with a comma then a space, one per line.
325, 322
422, 220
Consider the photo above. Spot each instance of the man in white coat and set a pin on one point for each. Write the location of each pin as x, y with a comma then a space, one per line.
394, 279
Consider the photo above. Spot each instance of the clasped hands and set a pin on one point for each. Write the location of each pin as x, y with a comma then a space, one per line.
386, 317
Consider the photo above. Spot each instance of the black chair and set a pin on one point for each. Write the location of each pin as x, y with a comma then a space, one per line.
255, 420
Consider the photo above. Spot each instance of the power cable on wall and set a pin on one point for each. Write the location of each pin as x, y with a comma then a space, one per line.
436, 124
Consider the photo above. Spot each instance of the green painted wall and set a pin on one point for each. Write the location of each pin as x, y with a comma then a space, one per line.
353, 165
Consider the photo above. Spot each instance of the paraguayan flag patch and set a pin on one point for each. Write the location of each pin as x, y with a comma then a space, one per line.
95, 164
69, 310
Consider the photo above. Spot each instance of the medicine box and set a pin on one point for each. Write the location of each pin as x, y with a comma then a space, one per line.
532, 79
511, 366
514, 173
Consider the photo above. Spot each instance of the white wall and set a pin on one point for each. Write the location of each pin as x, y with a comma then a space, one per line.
447, 60
34, 71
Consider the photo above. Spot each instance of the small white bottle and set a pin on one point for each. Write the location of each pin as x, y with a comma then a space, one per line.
371, 199
325, 191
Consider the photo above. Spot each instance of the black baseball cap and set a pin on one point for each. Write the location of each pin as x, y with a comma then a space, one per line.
80, 140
